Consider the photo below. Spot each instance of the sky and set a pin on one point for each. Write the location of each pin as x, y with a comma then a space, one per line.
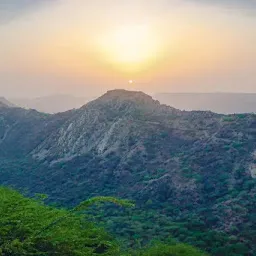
84, 47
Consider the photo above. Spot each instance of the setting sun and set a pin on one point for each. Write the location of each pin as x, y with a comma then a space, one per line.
131, 48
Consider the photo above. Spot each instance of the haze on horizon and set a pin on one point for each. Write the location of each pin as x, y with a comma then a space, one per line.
87, 47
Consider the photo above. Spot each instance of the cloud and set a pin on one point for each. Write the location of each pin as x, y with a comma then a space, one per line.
237, 4
11, 9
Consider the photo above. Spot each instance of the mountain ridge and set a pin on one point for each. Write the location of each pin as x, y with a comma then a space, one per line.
223, 103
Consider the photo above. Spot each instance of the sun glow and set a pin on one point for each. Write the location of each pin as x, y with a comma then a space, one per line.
130, 48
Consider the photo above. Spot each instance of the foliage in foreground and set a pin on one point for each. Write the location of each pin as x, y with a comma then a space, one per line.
28, 227
24, 231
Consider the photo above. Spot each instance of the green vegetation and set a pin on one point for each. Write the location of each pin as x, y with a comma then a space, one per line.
28, 227
167, 250
136, 227
220, 221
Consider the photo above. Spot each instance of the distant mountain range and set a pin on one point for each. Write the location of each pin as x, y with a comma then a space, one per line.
197, 167
5, 103
224, 103
52, 104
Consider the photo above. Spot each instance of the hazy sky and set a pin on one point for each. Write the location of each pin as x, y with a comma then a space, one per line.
85, 47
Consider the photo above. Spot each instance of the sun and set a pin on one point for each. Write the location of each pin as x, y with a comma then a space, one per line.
130, 81
130, 47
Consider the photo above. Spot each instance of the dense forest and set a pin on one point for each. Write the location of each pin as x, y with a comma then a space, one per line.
28, 227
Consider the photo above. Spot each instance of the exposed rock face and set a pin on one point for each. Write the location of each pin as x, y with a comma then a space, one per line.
103, 125
118, 117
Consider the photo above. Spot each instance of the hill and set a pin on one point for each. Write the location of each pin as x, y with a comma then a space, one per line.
225, 103
192, 174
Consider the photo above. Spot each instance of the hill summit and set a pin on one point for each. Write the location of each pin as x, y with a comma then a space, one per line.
124, 95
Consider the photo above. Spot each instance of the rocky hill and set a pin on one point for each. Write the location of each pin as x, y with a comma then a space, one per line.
175, 163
